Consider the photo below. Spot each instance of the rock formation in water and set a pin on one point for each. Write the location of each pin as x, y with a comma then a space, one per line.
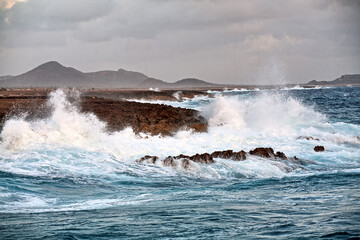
267, 153
319, 148
207, 158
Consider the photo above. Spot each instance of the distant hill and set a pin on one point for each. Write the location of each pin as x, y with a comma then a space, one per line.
115, 79
5, 77
187, 83
343, 80
192, 82
50, 74
53, 74
152, 83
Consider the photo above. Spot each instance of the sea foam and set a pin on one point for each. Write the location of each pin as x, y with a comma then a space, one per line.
71, 142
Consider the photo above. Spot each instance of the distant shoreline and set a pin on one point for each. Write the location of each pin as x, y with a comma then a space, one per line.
210, 88
113, 106
54, 75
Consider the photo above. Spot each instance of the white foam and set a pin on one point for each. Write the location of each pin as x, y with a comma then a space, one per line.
265, 113
72, 143
154, 89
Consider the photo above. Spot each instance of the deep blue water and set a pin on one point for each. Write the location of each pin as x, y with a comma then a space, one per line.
75, 181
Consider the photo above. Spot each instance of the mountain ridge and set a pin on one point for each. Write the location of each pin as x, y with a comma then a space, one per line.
53, 74
342, 80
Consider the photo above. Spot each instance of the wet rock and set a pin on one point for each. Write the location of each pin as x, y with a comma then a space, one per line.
239, 156
185, 163
144, 117
148, 158
206, 158
230, 154
182, 156
319, 148
153, 119
223, 154
308, 138
169, 162
263, 152
199, 127
202, 158
280, 155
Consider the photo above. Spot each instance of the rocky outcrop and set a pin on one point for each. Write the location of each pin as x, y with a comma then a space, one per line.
267, 153
281, 155
319, 148
263, 152
144, 117
236, 156
152, 119
150, 159
163, 95
202, 158
206, 158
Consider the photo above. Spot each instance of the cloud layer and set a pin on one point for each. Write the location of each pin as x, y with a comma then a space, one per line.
226, 41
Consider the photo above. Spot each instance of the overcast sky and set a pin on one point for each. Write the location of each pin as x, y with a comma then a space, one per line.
228, 41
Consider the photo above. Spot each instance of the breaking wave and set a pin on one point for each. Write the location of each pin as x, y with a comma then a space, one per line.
72, 147
236, 122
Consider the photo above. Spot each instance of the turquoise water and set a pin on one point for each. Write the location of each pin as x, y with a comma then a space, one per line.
66, 178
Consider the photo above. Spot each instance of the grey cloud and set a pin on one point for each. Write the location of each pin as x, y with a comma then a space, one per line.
226, 40
52, 15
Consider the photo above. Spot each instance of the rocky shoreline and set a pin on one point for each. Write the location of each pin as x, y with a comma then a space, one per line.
112, 108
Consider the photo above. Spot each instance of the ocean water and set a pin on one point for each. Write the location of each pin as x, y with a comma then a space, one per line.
65, 177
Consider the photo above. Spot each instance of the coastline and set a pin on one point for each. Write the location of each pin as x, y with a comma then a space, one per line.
110, 107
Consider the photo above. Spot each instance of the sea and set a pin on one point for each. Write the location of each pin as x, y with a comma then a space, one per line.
66, 177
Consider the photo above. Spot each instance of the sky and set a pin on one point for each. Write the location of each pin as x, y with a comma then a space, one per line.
220, 41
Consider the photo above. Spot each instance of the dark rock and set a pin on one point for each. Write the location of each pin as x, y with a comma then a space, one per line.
319, 148
169, 162
236, 156
185, 163
263, 152
223, 154
239, 156
118, 114
182, 156
143, 117
152, 159
280, 155
202, 158
207, 158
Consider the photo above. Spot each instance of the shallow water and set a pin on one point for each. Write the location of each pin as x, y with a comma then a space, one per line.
66, 178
